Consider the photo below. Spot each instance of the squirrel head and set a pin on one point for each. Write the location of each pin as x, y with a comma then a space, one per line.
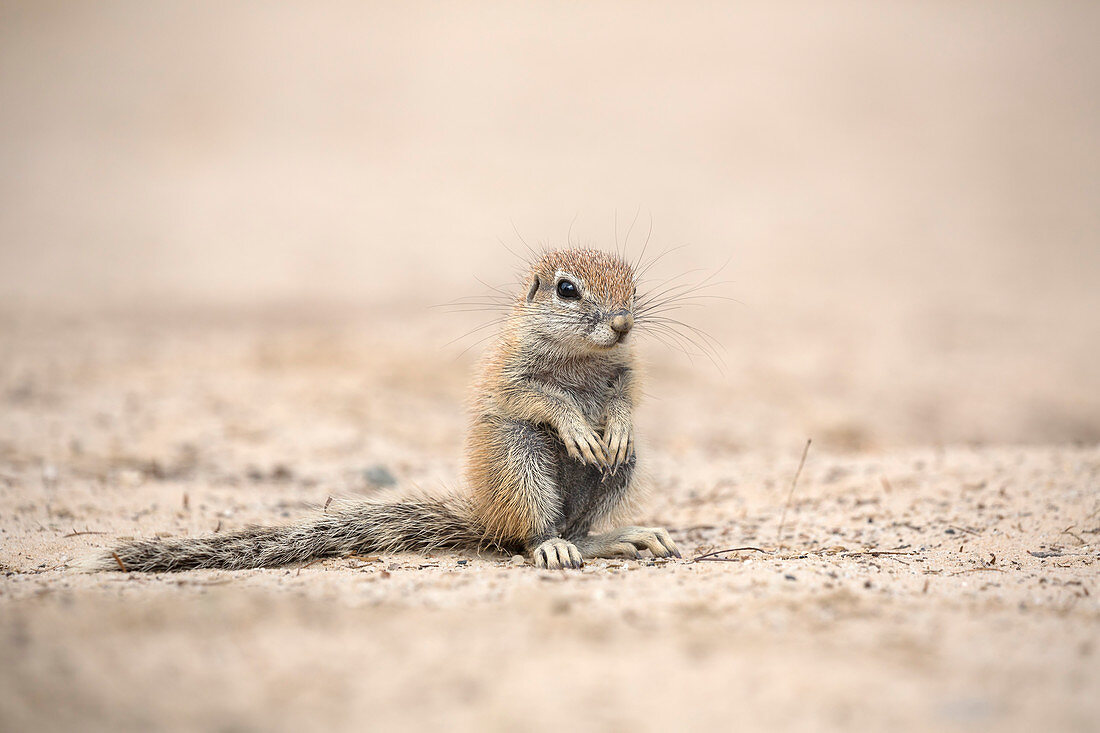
581, 300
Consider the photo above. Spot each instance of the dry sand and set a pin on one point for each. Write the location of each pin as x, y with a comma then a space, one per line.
989, 615
221, 231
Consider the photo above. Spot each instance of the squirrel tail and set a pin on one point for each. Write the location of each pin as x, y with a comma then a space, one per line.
346, 527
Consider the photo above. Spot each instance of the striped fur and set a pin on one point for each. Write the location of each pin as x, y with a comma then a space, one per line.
344, 528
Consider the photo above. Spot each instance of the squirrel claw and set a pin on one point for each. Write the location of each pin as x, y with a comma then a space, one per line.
618, 442
654, 539
584, 445
556, 554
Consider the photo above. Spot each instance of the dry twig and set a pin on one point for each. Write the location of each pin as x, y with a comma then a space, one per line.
75, 533
790, 494
732, 549
713, 556
1074, 535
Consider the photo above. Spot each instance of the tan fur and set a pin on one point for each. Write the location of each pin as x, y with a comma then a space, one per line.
550, 452
503, 500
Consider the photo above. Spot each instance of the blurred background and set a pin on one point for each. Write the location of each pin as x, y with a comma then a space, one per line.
906, 195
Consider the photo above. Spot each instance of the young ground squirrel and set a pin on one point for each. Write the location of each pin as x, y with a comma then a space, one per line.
550, 453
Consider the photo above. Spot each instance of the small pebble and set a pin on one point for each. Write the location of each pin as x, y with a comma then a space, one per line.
378, 475
518, 560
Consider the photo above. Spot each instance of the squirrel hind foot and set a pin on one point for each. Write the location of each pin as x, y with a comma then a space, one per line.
627, 541
556, 554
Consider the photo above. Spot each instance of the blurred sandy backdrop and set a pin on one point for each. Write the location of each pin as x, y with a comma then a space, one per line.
907, 194
222, 229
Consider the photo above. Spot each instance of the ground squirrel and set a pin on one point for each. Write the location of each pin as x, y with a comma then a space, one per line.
550, 452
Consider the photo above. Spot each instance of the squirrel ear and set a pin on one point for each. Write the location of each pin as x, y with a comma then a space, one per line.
534, 289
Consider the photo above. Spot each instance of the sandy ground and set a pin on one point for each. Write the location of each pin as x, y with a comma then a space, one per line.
222, 232
987, 616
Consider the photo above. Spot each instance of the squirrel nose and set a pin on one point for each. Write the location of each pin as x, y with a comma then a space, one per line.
622, 322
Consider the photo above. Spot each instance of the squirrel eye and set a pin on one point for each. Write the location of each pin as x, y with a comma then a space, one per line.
567, 290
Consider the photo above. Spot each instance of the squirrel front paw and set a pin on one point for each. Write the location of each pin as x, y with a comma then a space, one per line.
584, 444
618, 441
556, 554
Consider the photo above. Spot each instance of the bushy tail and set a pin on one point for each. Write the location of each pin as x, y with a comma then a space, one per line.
346, 527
